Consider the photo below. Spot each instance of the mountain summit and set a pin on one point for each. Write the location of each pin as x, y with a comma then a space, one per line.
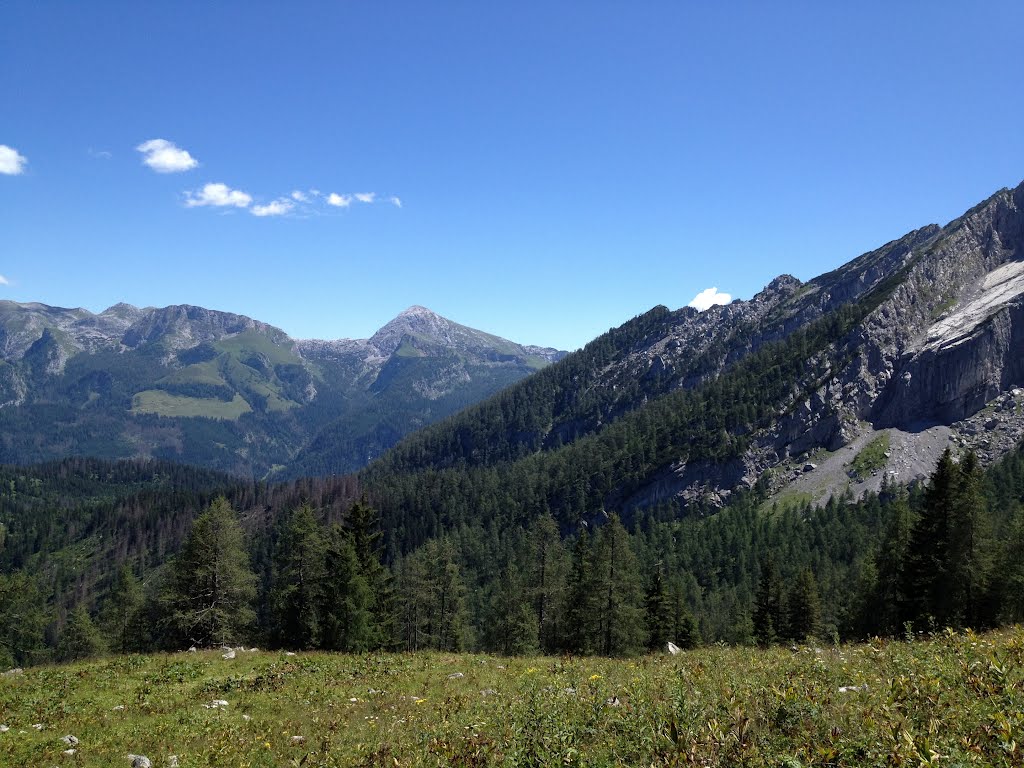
807, 390
230, 392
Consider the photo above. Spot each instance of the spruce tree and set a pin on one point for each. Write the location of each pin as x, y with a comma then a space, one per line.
80, 639
296, 596
769, 608
547, 579
969, 549
23, 619
659, 611
926, 584
579, 628
348, 620
120, 613
804, 607
618, 593
212, 587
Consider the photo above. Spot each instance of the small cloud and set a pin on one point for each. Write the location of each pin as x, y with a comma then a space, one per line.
165, 157
100, 154
12, 163
4, 280
339, 201
218, 195
709, 297
396, 201
299, 196
278, 207
366, 197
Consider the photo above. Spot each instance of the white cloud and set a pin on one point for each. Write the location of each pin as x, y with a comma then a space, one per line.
396, 201
12, 163
299, 196
709, 297
100, 154
278, 207
339, 201
4, 280
218, 195
365, 197
165, 157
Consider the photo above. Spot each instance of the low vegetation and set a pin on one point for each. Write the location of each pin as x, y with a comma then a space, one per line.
954, 699
872, 457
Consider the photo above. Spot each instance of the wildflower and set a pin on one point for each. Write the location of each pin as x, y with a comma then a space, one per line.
594, 677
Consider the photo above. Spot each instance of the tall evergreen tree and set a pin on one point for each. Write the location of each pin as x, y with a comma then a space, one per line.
23, 619
348, 620
618, 592
926, 575
513, 622
579, 628
362, 522
769, 609
969, 549
120, 613
804, 607
547, 579
296, 597
660, 619
80, 639
212, 586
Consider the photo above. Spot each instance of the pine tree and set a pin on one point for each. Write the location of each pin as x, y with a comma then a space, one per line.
296, 596
212, 586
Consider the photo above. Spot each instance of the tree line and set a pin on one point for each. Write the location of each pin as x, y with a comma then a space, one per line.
906, 560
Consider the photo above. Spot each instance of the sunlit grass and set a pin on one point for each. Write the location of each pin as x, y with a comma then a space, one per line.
953, 700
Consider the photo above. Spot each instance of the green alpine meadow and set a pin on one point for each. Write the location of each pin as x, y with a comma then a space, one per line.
952, 699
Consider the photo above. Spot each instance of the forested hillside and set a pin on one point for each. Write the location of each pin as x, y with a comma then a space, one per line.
112, 556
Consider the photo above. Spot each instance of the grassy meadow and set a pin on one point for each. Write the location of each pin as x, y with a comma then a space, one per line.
956, 699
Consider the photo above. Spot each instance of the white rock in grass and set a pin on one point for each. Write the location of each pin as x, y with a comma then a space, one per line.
228, 655
69, 752
140, 761
673, 649
289, 653
4, 728
298, 739
38, 726
172, 761
852, 688
119, 708
455, 675
71, 741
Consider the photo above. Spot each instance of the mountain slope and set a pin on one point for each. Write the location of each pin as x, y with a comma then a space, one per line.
228, 392
915, 342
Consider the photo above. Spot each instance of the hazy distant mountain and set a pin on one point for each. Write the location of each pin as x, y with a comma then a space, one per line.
232, 393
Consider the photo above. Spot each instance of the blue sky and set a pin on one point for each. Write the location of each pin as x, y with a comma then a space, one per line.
560, 167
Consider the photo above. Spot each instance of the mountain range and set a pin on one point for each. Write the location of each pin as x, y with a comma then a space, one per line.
232, 393
806, 391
